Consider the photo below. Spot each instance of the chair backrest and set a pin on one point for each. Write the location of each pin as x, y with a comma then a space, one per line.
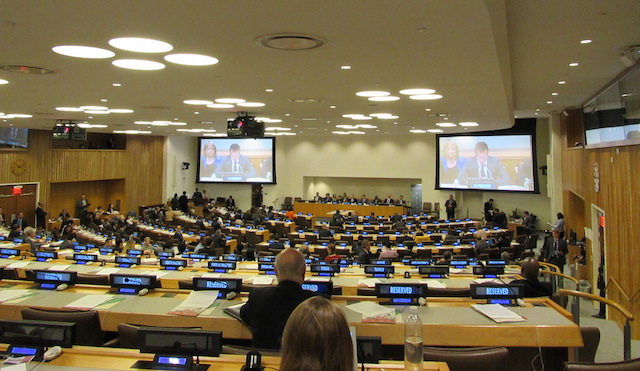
469, 359
88, 330
426, 206
128, 334
457, 292
591, 339
288, 200
629, 365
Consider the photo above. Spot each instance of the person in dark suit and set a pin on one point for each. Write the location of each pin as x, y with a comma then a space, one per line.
483, 166
325, 232
554, 250
81, 207
499, 219
184, 202
364, 256
533, 288
178, 235
269, 308
450, 205
488, 210
236, 163
231, 203
20, 221
41, 216
529, 222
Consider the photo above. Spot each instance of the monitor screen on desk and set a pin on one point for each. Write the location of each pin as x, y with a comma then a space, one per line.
236, 160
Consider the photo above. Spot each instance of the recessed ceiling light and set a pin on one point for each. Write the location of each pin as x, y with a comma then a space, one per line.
380, 114
120, 110
141, 45
362, 118
103, 100
159, 123
95, 108
562, 82
388, 117
79, 51
96, 112
309, 119
177, 123
428, 109
197, 102
21, 115
332, 106
3, 82
468, 123
426, 97
349, 115
142, 122
574, 64
417, 91
549, 101
554, 93
372, 93
191, 59
268, 90
196, 113
345, 67
585, 41
389, 98
251, 104
220, 105
417, 131
538, 109
435, 130
69, 109
116, 85
138, 64
445, 124
230, 100
536, 113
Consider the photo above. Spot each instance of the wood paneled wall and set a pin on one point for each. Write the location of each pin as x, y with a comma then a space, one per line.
139, 168
619, 197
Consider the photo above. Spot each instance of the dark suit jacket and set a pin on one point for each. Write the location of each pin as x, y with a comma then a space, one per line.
23, 223
364, 257
226, 166
496, 170
268, 310
547, 252
535, 288
325, 233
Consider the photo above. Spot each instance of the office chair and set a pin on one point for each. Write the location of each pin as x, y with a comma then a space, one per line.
128, 335
88, 330
469, 359
591, 339
629, 365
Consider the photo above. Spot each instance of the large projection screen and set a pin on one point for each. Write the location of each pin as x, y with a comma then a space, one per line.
236, 160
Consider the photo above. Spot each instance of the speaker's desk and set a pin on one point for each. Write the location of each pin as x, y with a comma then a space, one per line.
328, 209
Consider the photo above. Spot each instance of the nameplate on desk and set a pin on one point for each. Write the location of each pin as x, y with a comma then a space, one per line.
379, 270
52, 279
44, 255
127, 261
434, 271
491, 291
320, 287
325, 269
221, 266
131, 283
173, 264
85, 258
488, 271
5, 253
221, 284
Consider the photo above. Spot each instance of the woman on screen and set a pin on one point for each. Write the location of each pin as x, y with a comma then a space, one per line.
451, 164
209, 160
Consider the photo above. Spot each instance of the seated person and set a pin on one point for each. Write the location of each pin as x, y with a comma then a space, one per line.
325, 232
331, 254
499, 219
481, 242
364, 256
388, 253
269, 308
446, 257
147, 246
338, 217
30, 239
68, 241
317, 337
16, 231
533, 288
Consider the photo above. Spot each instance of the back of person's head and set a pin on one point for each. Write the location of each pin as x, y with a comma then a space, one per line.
331, 249
366, 244
290, 266
560, 216
30, 232
316, 338
481, 234
530, 268
447, 255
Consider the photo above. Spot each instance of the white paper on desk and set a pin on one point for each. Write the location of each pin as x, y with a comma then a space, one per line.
89, 301
17, 367
211, 275
251, 266
434, 284
107, 271
158, 274
61, 267
498, 313
200, 299
457, 270
368, 282
319, 279
486, 280
370, 308
262, 280
12, 294
18, 264
149, 261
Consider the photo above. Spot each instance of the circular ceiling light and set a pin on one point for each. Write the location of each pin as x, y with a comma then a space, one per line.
220, 105
388, 117
80, 51
426, 97
468, 123
389, 98
574, 64
349, 115
372, 93
69, 109
251, 104
230, 100
3, 82
120, 110
380, 114
435, 130
445, 124
197, 102
94, 108
140, 45
177, 123
138, 64
290, 41
191, 59
21, 115
96, 112
417, 131
142, 122
417, 91
585, 41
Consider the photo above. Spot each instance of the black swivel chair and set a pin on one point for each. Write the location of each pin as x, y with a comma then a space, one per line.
88, 330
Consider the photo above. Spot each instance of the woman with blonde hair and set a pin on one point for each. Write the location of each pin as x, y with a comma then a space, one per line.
316, 338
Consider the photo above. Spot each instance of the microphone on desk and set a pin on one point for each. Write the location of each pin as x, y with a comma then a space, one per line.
254, 362
231, 295
422, 301
62, 287
103, 263
143, 292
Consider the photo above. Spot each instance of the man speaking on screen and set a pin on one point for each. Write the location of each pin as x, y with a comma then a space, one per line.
484, 167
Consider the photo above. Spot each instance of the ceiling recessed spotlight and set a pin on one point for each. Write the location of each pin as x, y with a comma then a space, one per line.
380, 114
417, 131
554, 93
21, 115
417, 91
96, 112
138, 64
537, 109
372, 93
332, 106
80, 51
220, 105
536, 113
230, 100
141, 45
349, 115
362, 118
251, 104
426, 97
116, 85
177, 123
69, 109
309, 119
159, 123
103, 100
345, 67
549, 101
445, 124
389, 98
196, 113
142, 122
562, 82
269, 90
121, 110
574, 64
197, 102
585, 41
468, 123
3, 82
428, 109
435, 130
392, 117
191, 59
95, 108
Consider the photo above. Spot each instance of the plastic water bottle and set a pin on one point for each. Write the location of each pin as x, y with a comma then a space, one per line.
413, 341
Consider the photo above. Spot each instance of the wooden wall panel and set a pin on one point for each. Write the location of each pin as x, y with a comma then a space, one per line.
619, 197
140, 167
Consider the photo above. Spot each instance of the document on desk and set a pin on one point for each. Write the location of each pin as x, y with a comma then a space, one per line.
60, 267
107, 271
434, 284
262, 280
374, 312
368, 282
89, 301
498, 313
158, 274
196, 303
20, 264
7, 295
211, 275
